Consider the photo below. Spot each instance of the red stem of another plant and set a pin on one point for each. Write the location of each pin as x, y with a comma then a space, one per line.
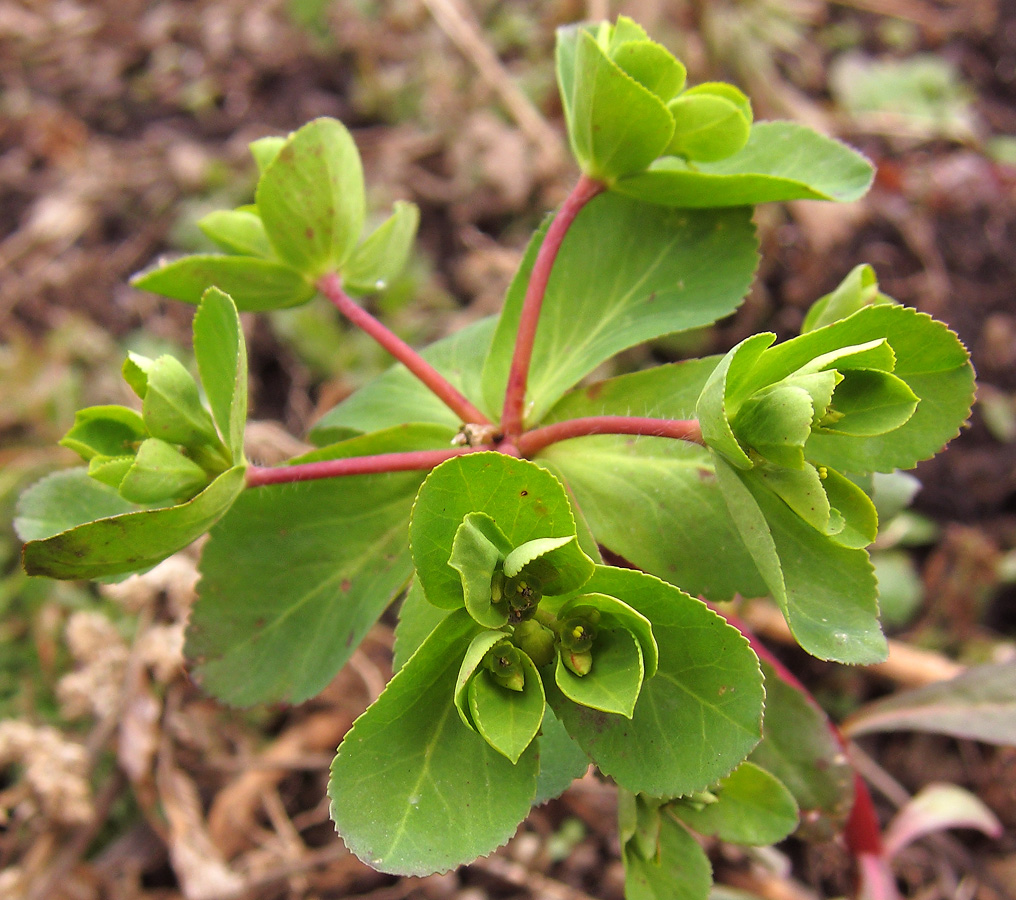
258, 476
515, 395
331, 286
680, 429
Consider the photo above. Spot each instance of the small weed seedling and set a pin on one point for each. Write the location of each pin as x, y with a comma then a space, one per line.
483, 479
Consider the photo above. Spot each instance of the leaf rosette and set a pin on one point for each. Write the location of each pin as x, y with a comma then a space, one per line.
876, 388
156, 479
635, 126
528, 596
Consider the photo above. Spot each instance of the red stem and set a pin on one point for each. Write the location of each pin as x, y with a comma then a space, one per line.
515, 395
680, 429
331, 286
258, 476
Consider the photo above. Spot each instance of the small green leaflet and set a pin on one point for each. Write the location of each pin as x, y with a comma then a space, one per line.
754, 808
827, 592
781, 161
615, 125
311, 198
679, 870
222, 363
254, 284
131, 541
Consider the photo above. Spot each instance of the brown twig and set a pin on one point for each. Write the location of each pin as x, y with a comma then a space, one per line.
459, 25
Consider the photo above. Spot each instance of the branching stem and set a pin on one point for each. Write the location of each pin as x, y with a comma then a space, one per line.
515, 395
258, 476
680, 429
331, 286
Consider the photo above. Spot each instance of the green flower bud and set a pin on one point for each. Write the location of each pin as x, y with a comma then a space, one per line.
579, 661
699, 800
535, 641
523, 594
579, 631
505, 665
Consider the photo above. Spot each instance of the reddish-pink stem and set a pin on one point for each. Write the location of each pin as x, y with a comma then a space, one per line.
515, 395
331, 286
680, 429
258, 476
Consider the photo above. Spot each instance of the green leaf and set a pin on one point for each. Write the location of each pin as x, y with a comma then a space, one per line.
171, 406
525, 502
754, 808
477, 549
63, 500
109, 470
397, 396
860, 518
614, 682
132, 541
827, 592
781, 161
508, 720
615, 125
448, 796
712, 409
696, 719
669, 391
105, 431
237, 231
709, 125
857, 290
222, 363
300, 572
254, 284
559, 563
475, 652
160, 472
615, 613
868, 403
311, 198
679, 871
979, 704
776, 423
663, 479
384, 253
934, 365
655, 272
417, 619
561, 759
264, 150
651, 65
799, 748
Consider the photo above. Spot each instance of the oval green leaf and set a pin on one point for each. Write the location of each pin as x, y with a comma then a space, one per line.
311, 198
254, 284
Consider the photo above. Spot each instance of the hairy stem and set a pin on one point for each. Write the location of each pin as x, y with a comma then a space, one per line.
679, 429
257, 476
515, 396
331, 286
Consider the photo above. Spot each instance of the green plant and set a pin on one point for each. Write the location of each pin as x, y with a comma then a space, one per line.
485, 477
